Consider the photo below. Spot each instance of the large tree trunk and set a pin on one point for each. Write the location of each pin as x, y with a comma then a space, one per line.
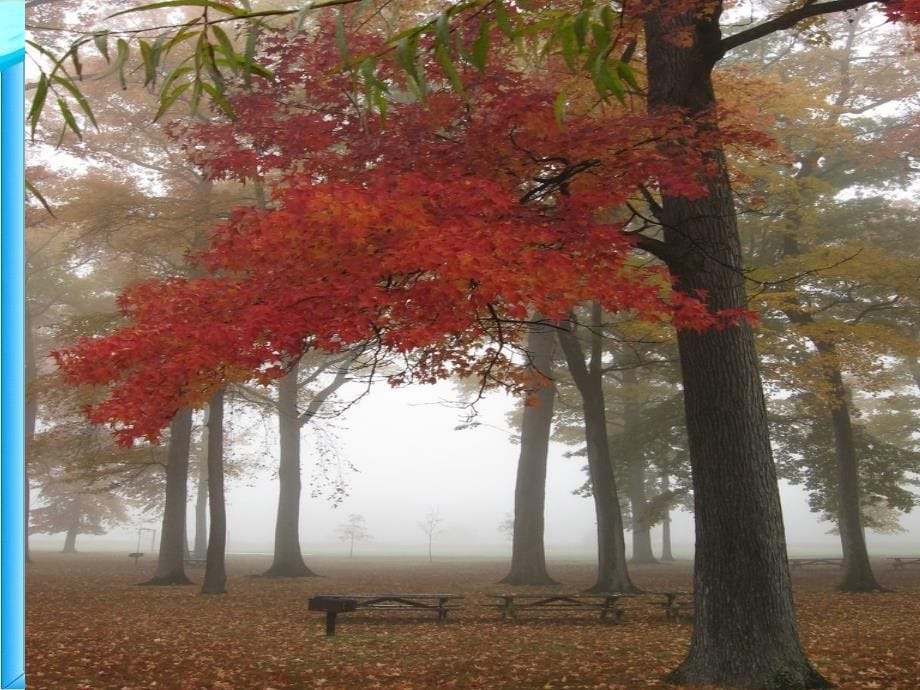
215, 575
857, 569
528, 558
745, 632
199, 551
612, 572
170, 563
636, 469
288, 559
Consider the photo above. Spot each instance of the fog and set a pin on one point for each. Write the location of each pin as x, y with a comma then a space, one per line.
410, 459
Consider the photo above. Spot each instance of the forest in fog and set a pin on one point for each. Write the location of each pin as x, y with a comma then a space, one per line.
580, 279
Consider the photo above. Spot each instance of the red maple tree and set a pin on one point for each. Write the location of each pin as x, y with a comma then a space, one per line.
435, 231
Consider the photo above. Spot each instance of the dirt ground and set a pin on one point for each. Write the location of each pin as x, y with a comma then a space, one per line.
90, 626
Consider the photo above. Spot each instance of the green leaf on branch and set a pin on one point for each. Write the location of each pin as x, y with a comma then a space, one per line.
70, 122
38, 102
101, 40
450, 70
479, 53
77, 96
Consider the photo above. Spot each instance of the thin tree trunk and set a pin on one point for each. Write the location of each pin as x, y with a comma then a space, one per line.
612, 571
199, 551
666, 554
857, 568
636, 468
288, 559
745, 632
70, 541
528, 557
170, 563
215, 574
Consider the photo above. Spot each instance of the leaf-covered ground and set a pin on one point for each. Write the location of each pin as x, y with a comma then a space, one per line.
89, 626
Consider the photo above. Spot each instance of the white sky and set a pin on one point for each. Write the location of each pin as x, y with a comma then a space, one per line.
412, 460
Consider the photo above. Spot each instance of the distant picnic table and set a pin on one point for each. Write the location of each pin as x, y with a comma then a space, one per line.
512, 603
333, 604
675, 603
904, 562
802, 562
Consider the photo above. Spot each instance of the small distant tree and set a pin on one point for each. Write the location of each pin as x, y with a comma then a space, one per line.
431, 526
506, 526
352, 531
75, 508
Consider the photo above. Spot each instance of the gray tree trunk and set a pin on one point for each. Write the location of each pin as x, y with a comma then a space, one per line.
288, 559
170, 563
857, 568
528, 557
666, 554
200, 548
215, 574
635, 467
612, 571
70, 540
745, 632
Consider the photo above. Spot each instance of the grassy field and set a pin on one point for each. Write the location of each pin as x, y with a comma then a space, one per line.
89, 626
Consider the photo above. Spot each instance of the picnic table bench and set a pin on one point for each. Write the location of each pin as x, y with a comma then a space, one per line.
802, 562
196, 562
904, 562
511, 604
333, 604
675, 603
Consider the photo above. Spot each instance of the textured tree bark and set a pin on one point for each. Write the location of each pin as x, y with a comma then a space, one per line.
288, 560
215, 574
635, 467
857, 568
745, 633
528, 557
612, 571
170, 563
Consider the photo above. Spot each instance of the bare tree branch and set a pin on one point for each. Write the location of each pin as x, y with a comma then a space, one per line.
788, 20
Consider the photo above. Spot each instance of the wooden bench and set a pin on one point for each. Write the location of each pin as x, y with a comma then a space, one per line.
196, 562
904, 562
511, 604
796, 563
333, 604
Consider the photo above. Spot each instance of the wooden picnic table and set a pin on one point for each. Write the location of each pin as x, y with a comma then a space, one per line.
510, 604
802, 562
904, 562
674, 603
334, 604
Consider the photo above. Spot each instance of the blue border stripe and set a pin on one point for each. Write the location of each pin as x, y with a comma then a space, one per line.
12, 384
11, 59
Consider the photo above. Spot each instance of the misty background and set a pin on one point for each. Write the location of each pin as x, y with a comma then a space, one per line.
401, 456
